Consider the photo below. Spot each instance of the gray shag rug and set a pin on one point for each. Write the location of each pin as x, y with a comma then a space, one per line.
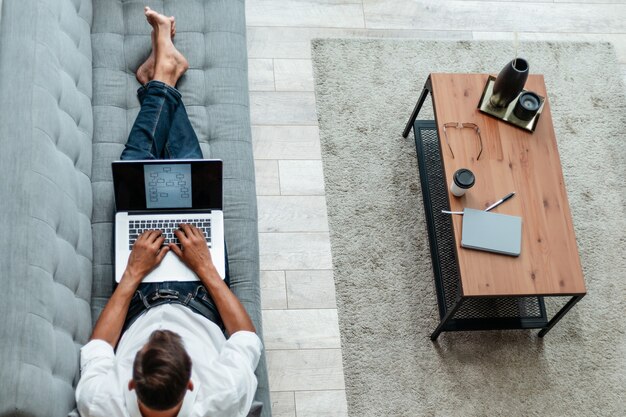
365, 91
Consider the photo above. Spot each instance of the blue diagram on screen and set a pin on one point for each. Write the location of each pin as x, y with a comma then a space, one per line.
167, 185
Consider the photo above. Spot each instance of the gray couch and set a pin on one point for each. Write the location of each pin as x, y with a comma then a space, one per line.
67, 104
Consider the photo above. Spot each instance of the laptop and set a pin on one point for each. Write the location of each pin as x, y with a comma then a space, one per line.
160, 195
492, 232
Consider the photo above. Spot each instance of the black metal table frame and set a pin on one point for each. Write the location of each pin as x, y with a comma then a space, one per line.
458, 312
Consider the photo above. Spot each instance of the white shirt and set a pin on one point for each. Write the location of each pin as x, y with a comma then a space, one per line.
222, 370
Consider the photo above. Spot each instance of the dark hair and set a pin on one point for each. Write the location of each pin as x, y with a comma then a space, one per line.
161, 371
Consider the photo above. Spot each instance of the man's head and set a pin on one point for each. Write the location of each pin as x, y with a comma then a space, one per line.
161, 371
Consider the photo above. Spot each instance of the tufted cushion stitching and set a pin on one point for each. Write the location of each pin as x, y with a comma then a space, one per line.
36, 113
109, 105
62, 29
52, 279
44, 270
32, 313
60, 67
63, 110
63, 190
45, 133
73, 42
83, 19
69, 384
73, 164
61, 238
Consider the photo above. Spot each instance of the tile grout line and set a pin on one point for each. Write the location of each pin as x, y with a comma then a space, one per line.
312, 390
274, 72
308, 349
434, 31
363, 11
286, 292
293, 270
280, 189
300, 309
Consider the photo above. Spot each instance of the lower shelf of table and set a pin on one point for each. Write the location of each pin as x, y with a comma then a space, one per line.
475, 313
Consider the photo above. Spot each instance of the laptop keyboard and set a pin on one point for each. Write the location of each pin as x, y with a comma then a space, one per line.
167, 227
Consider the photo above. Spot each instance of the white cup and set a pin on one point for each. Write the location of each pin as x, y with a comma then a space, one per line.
462, 180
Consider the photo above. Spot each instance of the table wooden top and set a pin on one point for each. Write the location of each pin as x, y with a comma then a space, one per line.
512, 160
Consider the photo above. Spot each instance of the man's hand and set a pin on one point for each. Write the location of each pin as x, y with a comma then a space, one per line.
147, 253
194, 251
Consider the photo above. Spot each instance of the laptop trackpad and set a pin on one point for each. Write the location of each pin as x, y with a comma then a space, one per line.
171, 268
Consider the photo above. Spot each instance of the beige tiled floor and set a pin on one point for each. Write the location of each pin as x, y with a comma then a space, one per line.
300, 315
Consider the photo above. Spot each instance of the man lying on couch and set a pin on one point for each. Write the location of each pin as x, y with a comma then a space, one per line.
170, 359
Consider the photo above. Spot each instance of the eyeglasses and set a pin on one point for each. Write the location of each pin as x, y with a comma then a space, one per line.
461, 126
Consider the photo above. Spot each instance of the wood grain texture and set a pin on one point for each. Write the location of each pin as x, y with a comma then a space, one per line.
295, 42
273, 290
286, 142
512, 160
283, 404
321, 404
310, 289
301, 329
292, 214
304, 13
293, 74
267, 177
301, 177
282, 108
261, 74
526, 16
294, 251
305, 369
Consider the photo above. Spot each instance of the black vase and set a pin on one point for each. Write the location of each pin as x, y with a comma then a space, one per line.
509, 83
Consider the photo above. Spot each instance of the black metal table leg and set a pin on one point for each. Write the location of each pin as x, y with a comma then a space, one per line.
560, 315
446, 318
418, 107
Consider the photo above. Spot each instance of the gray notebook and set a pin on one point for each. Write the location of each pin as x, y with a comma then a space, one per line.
492, 232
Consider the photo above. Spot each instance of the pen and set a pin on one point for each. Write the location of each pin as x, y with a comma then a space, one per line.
451, 212
502, 200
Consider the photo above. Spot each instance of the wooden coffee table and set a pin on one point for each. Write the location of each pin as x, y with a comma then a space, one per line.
478, 290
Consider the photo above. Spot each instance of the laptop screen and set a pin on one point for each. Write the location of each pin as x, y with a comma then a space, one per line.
168, 184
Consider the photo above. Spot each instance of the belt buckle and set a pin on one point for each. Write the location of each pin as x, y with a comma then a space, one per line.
164, 294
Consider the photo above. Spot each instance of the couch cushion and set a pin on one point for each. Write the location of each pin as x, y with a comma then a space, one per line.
46, 263
211, 34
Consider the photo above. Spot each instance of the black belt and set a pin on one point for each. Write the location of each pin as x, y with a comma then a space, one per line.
166, 296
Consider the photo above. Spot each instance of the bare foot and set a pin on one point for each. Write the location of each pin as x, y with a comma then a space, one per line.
145, 72
170, 64
157, 20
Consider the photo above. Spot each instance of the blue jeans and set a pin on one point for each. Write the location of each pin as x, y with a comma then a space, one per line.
192, 294
162, 130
